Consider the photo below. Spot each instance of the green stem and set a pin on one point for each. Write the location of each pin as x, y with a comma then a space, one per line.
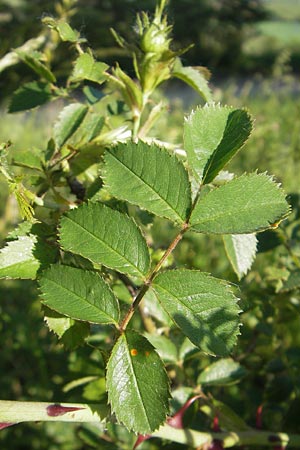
12, 412
137, 299
256, 438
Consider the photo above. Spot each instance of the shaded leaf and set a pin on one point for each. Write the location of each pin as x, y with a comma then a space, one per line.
212, 136
71, 333
203, 308
29, 96
78, 294
33, 61
247, 204
193, 77
105, 236
222, 372
86, 68
293, 281
228, 419
137, 384
164, 346
241, 251
149, 177
88, 130
69, 120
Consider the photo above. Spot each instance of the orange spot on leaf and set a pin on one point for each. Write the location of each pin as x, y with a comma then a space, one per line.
147, 353
133, 352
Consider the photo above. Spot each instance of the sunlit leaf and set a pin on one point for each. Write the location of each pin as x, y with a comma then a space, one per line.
23, 257
137, 384
105, 236
149, 177
86, 68
68, 122
212, 136
78, 294
193, 77
241, 251
247, 204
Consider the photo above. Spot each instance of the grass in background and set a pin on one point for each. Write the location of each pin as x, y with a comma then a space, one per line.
284, 9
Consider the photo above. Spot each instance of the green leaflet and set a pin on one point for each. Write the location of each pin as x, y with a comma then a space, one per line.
203, 308
212, 136
193, 77
33, 61
241, 251
29, 96
23, 257
149, 177
78, 294
17, 259
70, 118
223, 372
88, 130
86, 68
247, 204
166, 349
137, 384
105, 236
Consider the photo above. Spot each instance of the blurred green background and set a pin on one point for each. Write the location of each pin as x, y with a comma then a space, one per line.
252, 49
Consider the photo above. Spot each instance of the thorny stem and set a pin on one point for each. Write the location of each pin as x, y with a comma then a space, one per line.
12, 412
147, 283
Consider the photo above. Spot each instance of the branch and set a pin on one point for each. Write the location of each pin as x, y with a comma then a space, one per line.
12, 412
256, 438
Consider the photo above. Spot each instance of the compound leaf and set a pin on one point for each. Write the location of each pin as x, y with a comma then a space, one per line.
105, 236
86, 68
137, 384
241, 251
203, 308
78, 294
68, 122
212, 136
149, 177
29, 96
247, 204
